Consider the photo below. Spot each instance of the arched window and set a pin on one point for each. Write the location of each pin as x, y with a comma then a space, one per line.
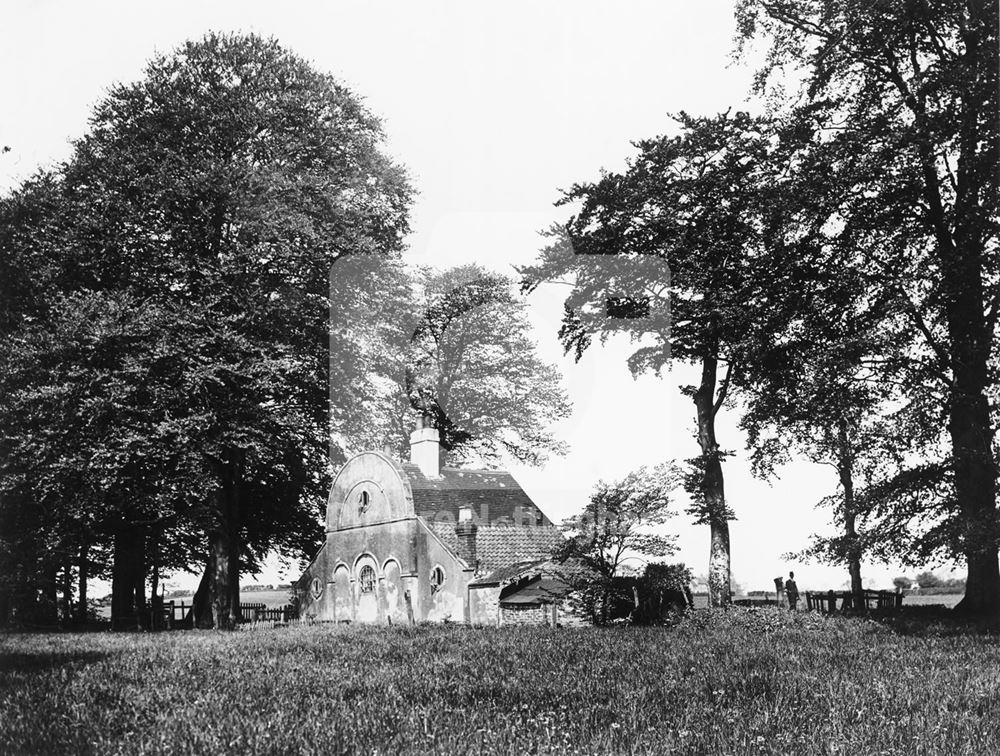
437, 579
363, 501
366, 579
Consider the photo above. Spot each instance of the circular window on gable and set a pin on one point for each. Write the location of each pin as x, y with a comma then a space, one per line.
316, 588
437, 579
366, 579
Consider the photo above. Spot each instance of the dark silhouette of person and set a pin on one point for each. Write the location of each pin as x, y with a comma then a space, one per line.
792, 592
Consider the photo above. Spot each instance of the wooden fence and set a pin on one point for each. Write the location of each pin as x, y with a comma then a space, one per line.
174, 614
827, 601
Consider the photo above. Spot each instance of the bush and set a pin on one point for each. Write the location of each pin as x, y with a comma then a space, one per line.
929, 580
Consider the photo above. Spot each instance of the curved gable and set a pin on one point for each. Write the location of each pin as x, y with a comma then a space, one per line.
369, 489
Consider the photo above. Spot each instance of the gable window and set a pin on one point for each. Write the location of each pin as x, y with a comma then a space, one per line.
363, 501
437, 579
366, 579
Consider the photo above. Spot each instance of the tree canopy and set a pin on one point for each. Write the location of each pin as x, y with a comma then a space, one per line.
207, 207
669, 252
472, 368
899, 102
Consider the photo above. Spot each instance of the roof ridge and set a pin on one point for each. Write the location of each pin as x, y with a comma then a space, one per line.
466, 469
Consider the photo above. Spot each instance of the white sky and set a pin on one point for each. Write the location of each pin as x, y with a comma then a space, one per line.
493, 108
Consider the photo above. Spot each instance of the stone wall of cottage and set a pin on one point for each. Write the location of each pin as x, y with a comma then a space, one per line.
484, 605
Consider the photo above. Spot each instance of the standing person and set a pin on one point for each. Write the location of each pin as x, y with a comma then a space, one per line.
792, 592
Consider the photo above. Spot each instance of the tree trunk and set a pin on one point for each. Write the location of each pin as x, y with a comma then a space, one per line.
139, 581
201, 604
50, 607
155, 603
719, 569
84, 574
960, 250
969, 424
217, 601
225, 546
972, 434
975, 487
224, 609
712, 488
67, 592
852, 545
127, 578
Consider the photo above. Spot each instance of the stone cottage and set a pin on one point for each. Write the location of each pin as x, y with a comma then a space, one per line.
411, 541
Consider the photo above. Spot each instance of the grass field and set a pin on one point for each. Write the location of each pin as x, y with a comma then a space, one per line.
743, 681
944, 599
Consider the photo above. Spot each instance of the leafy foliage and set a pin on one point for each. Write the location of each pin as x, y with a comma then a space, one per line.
202, 219
672, 253
620, 521
472, 369
898, 105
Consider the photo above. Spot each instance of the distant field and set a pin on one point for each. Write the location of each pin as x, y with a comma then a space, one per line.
269, 598
737, 682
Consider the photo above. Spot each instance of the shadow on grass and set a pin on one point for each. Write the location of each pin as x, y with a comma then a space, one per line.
930, 620
35, 663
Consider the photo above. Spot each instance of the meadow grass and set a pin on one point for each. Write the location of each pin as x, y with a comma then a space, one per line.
742, 681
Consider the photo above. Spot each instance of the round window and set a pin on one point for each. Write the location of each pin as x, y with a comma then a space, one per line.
366, 578
317, 588
437, 579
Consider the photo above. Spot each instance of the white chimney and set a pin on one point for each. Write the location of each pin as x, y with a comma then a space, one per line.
425, 451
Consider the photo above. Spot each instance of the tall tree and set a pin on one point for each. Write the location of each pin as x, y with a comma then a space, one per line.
811, 387
473, 369
665, 252
218, 194
905, 103
825, 415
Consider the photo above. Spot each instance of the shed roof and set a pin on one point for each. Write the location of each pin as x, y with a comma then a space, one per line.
542, 590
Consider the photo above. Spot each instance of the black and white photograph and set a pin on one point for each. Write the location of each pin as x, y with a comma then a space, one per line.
444, 377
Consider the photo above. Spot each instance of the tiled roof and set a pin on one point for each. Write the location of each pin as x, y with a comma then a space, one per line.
511, 528
501, 546
494, 496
